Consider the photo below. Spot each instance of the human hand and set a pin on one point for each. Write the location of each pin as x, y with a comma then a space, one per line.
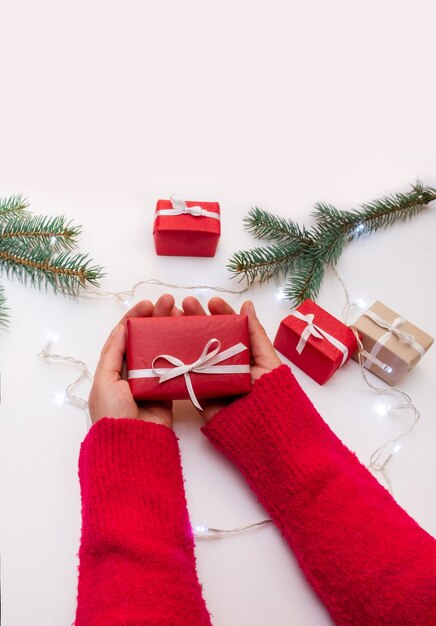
264, 357
110, 395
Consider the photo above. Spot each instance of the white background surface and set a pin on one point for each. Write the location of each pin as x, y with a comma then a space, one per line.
107, 106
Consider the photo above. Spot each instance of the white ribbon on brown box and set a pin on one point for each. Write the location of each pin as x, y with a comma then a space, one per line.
392, 329
205, 364
180, 208
316, 331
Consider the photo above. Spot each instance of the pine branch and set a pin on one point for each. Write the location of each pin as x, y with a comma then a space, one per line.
376, 214
4, 317
264, 225
12, 204
40, 250
263, 264
304, 254
65, 273
306, 279
330, 239
55, 233
399, 207
334, 228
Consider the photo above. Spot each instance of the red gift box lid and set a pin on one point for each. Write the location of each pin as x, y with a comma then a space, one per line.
186, 222
185, 338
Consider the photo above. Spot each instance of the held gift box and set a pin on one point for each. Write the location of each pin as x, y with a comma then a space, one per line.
392, 345
186, 228
315, 341
175, 358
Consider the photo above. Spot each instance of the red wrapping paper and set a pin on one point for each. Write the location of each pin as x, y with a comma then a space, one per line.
185, 337
186, 235
319, 358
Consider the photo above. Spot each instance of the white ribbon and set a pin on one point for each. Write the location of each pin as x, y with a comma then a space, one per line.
319, 333
205, 364
180, 208
392, 328
384, 366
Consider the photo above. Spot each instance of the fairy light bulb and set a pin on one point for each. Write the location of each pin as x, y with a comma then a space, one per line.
382, 408
280, 294
200, 529
360, 303
358, 230
53, 241
397, 448
60, 398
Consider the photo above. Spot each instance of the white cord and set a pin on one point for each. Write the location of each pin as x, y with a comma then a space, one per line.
70, 397
391, 447
203, 532
122, 296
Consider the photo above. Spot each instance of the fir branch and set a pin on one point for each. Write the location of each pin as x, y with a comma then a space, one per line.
264, 225
33, 230
329, 245
4, 317
65, 273
398, 207
39, 250
306, 279
304, 254
12, 204
376, 214
334, 228
262, 264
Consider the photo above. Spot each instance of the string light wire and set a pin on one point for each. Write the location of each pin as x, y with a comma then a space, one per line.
123, 296
70, 397
391, 447
203, 532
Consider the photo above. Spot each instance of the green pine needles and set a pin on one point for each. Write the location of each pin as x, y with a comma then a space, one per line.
303, 254
40, 250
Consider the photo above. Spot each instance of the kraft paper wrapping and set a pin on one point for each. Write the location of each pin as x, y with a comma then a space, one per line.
396, 354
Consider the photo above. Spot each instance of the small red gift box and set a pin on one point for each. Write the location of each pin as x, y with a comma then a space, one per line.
186, 228
315, 341
174, 358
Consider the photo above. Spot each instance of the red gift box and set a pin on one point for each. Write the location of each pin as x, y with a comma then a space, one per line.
315, 341
186, 228
204, 356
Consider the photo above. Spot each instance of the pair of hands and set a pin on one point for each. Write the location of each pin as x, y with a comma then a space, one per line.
110, 394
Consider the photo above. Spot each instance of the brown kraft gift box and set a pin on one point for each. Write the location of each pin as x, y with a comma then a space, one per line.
404, 344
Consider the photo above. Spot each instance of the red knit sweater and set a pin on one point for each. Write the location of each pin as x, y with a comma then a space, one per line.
369, 562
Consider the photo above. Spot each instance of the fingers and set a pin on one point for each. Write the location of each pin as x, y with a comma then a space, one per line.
191, 306
218, 306
111, 357
112, 354
141, 309
176, 312
261, 347
164, 306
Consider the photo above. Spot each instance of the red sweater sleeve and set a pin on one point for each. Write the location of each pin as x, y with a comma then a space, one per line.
369, 562
137, 564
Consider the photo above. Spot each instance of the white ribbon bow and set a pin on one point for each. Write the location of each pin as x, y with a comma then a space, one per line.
205, 364
392, 328
319, 333
180, 208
